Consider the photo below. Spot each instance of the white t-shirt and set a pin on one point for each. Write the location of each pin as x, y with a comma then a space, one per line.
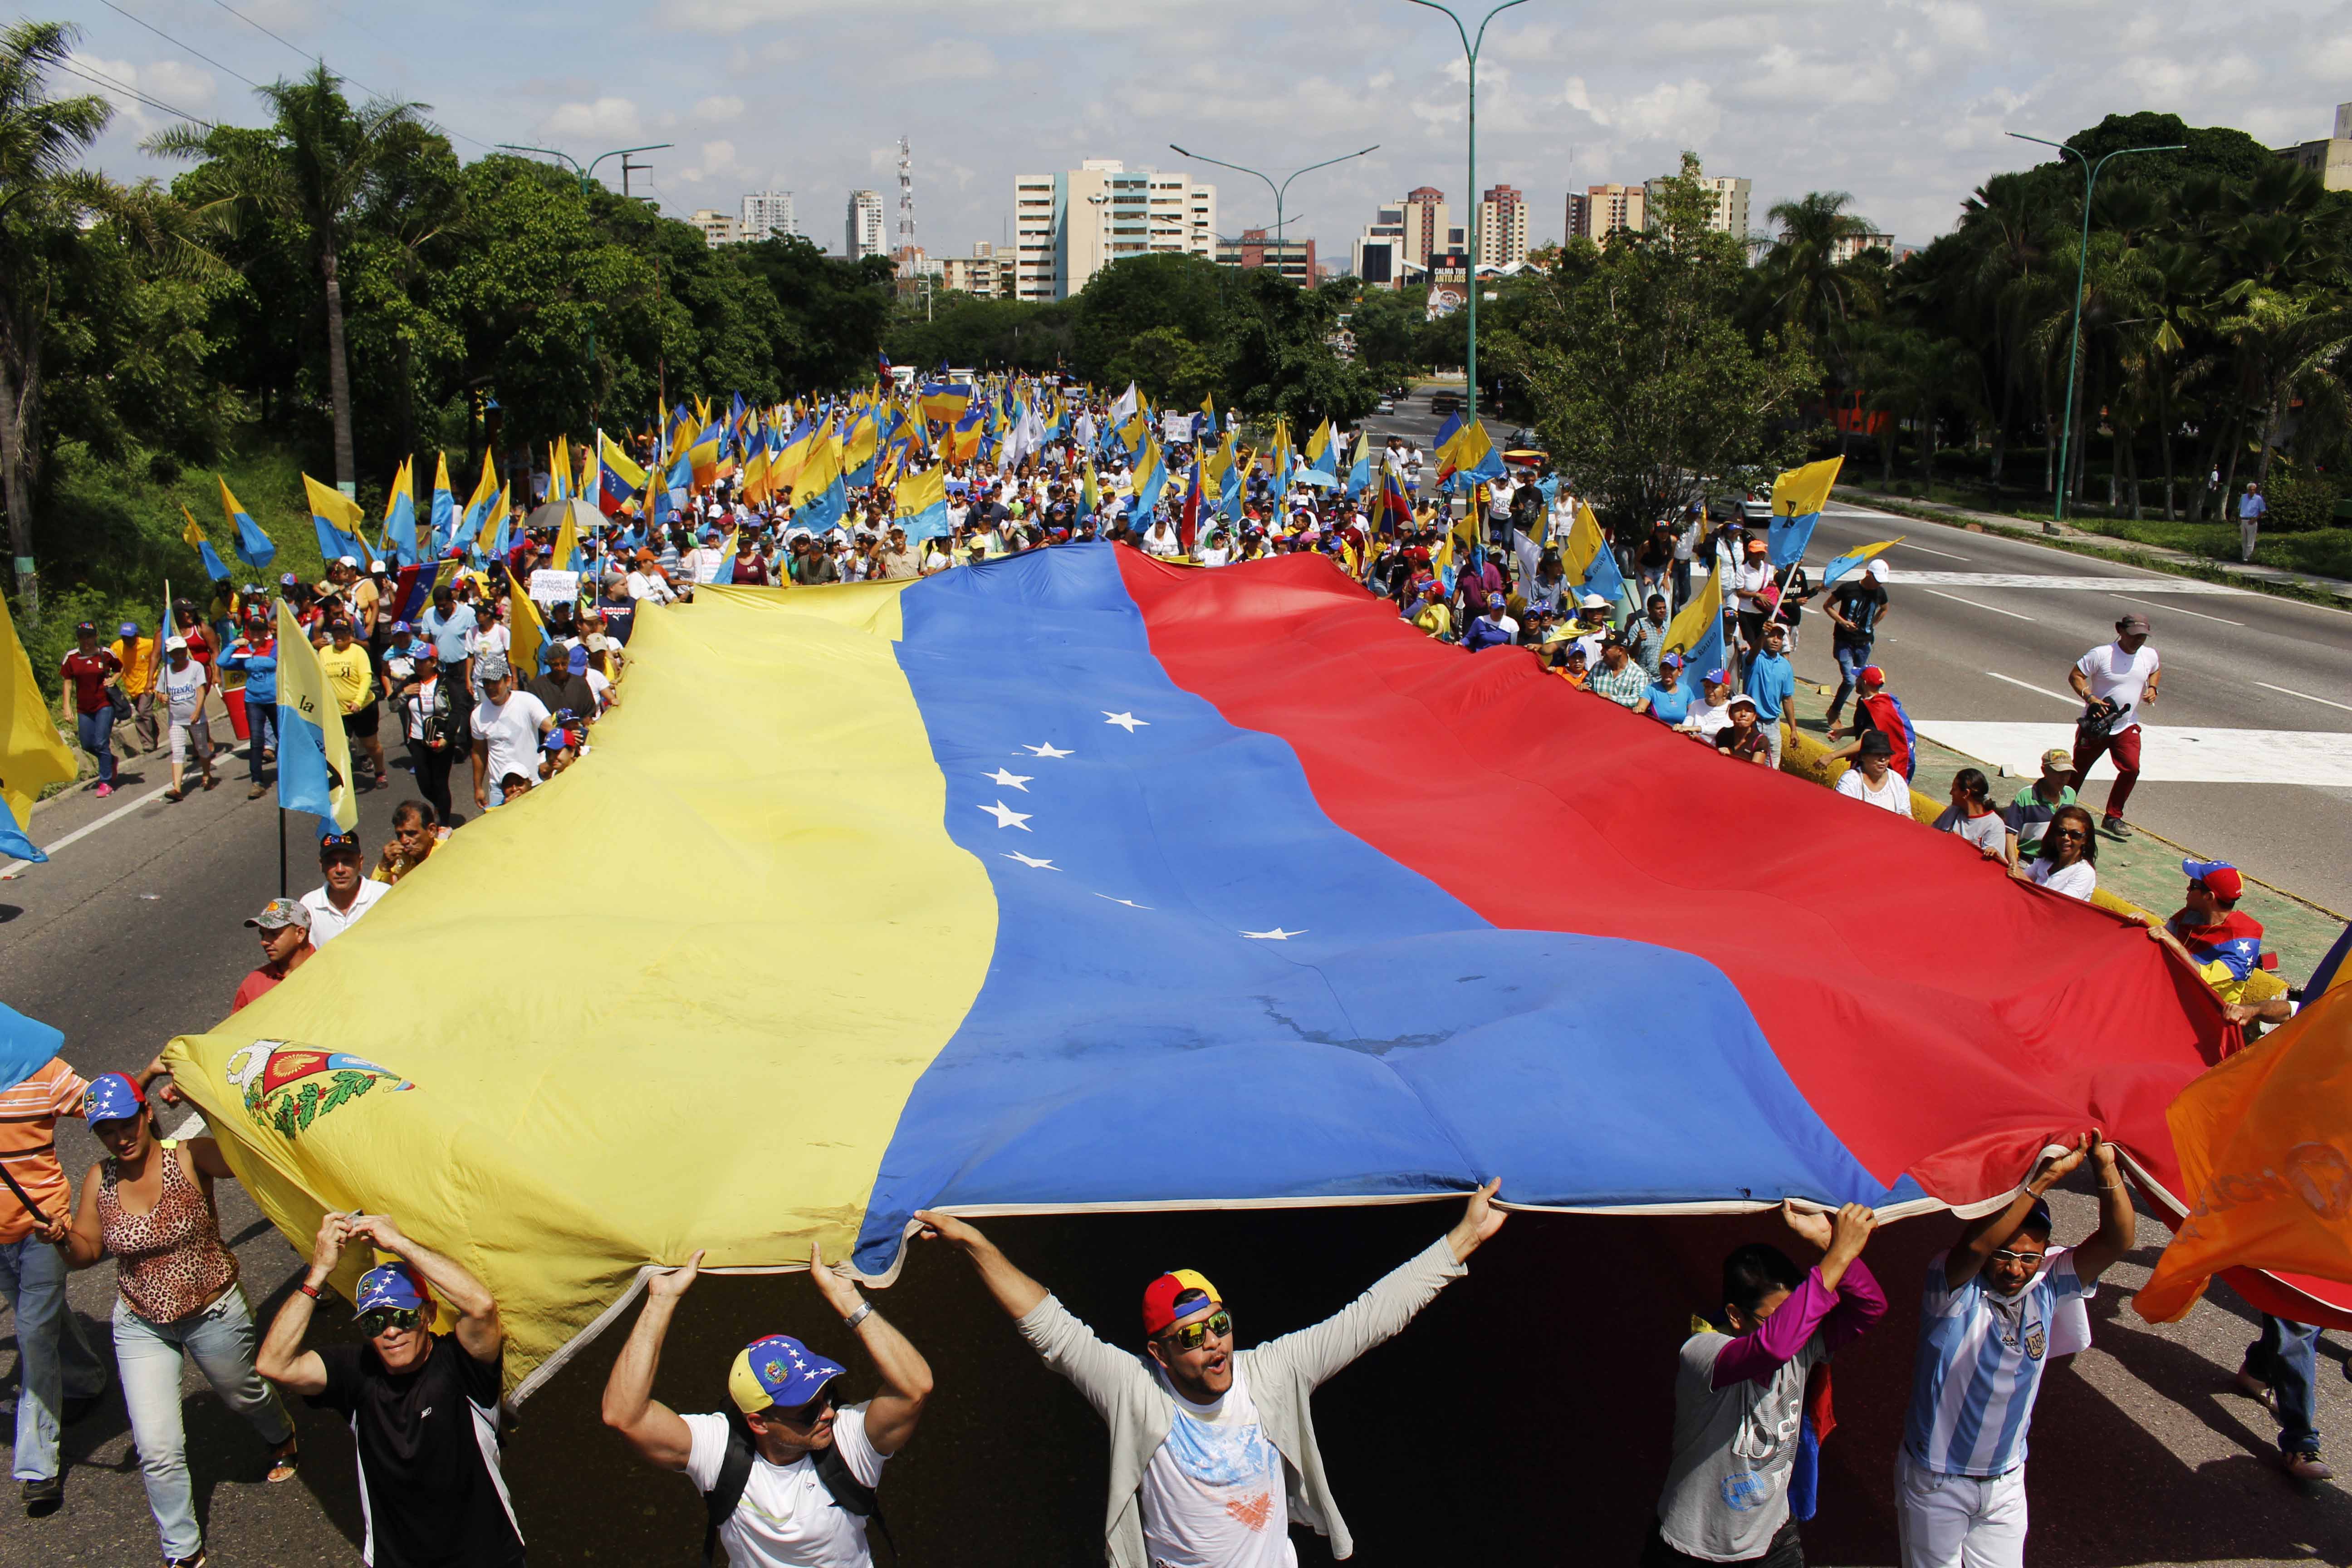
2119, 677
183, 690
1892, 793
512, 729
1213, 1493
787, 1519
2076, 882
328, 923
1706, 718
492, 638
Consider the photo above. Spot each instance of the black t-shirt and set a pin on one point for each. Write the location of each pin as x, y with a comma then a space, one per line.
1859, 602
428, 1452
567, 691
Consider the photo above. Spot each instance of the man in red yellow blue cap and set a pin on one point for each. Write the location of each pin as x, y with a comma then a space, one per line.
789, 1481
1213, 1450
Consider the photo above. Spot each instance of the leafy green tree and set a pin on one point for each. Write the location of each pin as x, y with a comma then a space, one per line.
835, 310
1644, 384
322, 163
44, 199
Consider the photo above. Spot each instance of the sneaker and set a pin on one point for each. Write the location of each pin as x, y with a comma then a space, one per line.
256, 792
198, 1560
2115, 827
2303, 1467
43, 1497
102, 791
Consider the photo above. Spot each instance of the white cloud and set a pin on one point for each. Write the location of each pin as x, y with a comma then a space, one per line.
610, 119
719, 110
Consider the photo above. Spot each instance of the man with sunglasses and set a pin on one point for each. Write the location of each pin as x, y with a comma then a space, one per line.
424, 1407
1213, 1451
791, 1483
1998, 1308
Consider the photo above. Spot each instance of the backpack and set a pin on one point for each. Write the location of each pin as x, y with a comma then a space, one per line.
848, 1493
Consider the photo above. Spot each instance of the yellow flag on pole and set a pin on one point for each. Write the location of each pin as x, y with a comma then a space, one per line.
32, 758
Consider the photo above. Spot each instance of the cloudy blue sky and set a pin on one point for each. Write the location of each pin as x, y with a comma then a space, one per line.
1902, 102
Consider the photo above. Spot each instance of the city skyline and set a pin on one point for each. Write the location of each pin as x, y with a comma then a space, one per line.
1906, 113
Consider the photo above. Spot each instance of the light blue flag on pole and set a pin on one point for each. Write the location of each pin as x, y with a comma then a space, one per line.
253, 547
1705, 655
1602, 577
444, 515
215, 569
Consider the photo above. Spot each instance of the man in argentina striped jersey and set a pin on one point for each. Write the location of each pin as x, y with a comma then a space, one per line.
1997, 1307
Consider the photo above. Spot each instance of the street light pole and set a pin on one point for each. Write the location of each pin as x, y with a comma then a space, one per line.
587, 173
2074, 342
1282, 188
1470, 47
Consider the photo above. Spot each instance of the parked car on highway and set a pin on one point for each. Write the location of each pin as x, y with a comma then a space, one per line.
1445, 403
1385, 405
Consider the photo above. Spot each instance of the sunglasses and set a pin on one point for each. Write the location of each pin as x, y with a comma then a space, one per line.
1192, 1336
806, 1415
390, 1319
2006, 1255
2070, 832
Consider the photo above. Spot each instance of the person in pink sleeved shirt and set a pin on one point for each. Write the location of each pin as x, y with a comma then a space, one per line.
1740, 1395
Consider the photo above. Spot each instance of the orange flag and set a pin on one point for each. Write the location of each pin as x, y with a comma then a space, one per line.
2265, 1162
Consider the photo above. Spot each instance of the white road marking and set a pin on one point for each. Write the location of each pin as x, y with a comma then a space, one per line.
1972, 605
2069, 701
2060, 585
2190, 755
2306, 696
2180, 610
1907, 545
85, 830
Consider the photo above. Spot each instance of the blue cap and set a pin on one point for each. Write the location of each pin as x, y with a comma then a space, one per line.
556, 741
387, 1285
778, 1370
112, 1097
127, 629
579, 660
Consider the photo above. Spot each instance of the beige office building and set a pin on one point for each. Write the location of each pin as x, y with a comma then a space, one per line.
717, 227
984, 272
1609, 209
2331, 160
1069, 226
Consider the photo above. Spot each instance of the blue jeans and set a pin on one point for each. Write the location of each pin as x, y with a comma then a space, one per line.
1853, 659
222, 1339
98, 739
54, 1358
261, 723
2287, 1357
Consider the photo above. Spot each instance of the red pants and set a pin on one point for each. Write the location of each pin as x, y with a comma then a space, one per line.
2124, 745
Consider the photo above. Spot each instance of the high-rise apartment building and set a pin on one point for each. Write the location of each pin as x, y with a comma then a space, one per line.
862, 235
1427, 221
1606, 209
1729, 193
767, 214
717, 227
1579, 207
1502, 226
1069, 226
987, 272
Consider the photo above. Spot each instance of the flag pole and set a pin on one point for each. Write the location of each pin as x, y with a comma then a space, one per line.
281, 850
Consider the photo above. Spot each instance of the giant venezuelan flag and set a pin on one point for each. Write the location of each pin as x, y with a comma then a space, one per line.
1133, 887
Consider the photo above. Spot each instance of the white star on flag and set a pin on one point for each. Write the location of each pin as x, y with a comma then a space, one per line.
1032, 862
1007, 817
1047, 750
1276, 934
1008, 779
1131, 903
1126, 722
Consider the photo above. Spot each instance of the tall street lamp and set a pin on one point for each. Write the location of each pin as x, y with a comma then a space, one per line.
587, 173
2075, 343
1470, 49
1270, 185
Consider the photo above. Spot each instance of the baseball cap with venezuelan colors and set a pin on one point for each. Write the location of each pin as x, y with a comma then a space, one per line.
777, 1370
1174, 1295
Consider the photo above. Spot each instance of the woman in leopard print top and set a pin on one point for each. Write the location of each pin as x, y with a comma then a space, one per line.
150, 1205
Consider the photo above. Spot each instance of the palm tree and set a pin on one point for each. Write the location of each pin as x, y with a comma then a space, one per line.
1807, 284
319, 162
2285, 337
43, 200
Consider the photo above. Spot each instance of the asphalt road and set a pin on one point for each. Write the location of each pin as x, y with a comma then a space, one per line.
1960, 649
1529, 1407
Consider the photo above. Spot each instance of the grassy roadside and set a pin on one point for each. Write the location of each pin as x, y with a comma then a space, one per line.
2028, 529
